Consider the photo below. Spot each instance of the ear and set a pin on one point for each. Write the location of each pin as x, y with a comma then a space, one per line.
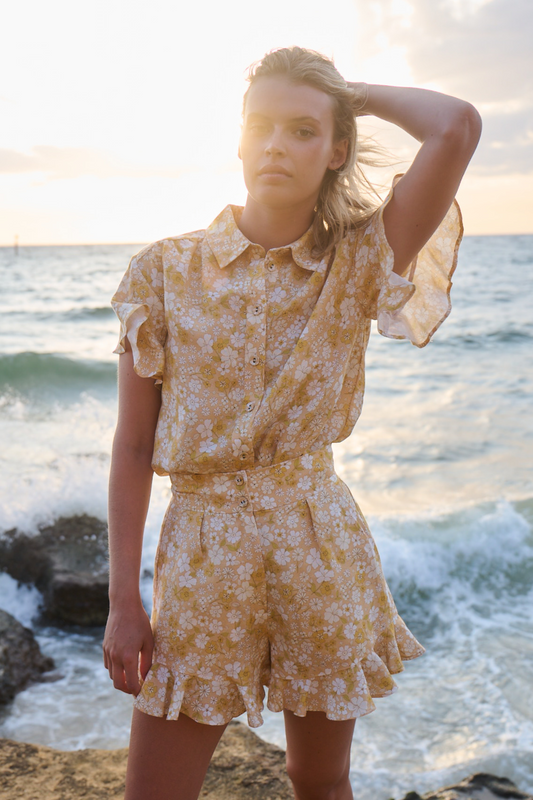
340, 151
239, 146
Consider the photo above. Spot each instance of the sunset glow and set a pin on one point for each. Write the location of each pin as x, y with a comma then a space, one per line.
120, 121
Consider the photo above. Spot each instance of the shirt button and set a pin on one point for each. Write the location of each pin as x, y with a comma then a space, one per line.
243, 502
271, 267
243, 456
256, 310
239, 480
249, 406
254, 360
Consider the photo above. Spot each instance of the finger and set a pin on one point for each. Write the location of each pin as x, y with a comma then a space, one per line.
132, 676
146, 658
119, 679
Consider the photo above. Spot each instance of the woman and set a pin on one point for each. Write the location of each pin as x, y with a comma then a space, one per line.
242, 360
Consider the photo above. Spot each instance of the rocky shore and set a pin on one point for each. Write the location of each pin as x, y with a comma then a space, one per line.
244, 767
67, 561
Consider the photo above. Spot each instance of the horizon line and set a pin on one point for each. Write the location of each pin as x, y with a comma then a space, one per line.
18, 244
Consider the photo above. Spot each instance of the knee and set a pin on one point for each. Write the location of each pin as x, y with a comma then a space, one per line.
317, 781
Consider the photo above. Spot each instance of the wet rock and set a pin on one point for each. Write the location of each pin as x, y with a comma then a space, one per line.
67, 562
21, 660
243, 768
480, 786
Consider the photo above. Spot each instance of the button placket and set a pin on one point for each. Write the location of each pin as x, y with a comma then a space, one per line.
253, 376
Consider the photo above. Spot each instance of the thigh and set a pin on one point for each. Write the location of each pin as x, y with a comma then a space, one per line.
318, 748
168, 759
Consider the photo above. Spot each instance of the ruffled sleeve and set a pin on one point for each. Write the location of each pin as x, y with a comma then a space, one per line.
139, 305
414, 306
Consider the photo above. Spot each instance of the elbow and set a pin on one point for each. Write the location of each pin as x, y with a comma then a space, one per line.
463, 129
133, 450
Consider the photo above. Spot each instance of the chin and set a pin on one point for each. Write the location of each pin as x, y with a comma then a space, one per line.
274, 197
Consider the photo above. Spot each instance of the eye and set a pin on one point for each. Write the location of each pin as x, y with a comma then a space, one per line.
305, 133
256, 127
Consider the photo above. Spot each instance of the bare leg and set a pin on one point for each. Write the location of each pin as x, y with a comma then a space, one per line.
168, 759
318, 756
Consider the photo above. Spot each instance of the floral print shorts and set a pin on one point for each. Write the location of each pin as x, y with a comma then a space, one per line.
270, 577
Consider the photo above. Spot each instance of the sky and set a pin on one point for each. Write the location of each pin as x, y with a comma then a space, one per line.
120, 120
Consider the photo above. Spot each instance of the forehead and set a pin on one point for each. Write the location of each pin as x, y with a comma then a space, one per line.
278, 98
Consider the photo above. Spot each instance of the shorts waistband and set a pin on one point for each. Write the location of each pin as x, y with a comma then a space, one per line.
260, 488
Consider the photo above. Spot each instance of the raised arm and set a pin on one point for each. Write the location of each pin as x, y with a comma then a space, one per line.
128, 633
449, 130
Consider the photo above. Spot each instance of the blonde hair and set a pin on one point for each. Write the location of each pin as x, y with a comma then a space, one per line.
343, 202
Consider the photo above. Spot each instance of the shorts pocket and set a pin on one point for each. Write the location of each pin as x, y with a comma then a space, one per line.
182, 531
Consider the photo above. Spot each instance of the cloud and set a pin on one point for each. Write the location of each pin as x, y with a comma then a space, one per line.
476, 49
73, 162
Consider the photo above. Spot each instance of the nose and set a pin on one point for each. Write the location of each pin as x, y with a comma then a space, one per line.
275, 145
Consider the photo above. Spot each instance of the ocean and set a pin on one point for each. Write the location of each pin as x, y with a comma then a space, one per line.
440, 463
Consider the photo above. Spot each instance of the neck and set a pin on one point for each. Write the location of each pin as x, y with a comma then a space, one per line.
274, 227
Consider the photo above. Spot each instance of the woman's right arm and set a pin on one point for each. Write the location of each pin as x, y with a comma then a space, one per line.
128, 634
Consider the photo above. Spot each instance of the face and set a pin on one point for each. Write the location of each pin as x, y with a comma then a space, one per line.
287, 143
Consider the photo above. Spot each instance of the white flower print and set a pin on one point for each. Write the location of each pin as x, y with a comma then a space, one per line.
187, 581
206, 343
344, 652
305, 369
233, 535
278, 295
339, 686
244, 592
282, 556
333, 613
313, 558
205, 428
236, 303
217, 554
350, 630
324, 574
269, 502
233, 669
229, 357
187, 620
245, 571
237, 634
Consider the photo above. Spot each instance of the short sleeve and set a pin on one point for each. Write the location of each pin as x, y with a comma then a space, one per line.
415, 305
139, 305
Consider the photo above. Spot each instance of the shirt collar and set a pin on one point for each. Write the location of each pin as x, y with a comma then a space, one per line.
227, 242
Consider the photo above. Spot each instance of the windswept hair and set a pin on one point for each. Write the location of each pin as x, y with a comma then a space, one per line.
344, 200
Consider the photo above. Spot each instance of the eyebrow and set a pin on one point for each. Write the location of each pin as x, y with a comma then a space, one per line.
293, 119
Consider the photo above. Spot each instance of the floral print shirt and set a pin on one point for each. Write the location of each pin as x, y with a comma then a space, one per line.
261, 356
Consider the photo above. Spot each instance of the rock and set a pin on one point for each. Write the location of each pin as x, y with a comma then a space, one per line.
21, 660
29, 771
243, 768
480, 786
67, 562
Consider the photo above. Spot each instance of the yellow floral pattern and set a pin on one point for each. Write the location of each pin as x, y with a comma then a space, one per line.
266, 572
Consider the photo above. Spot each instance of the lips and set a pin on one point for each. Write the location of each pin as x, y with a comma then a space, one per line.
273, 169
